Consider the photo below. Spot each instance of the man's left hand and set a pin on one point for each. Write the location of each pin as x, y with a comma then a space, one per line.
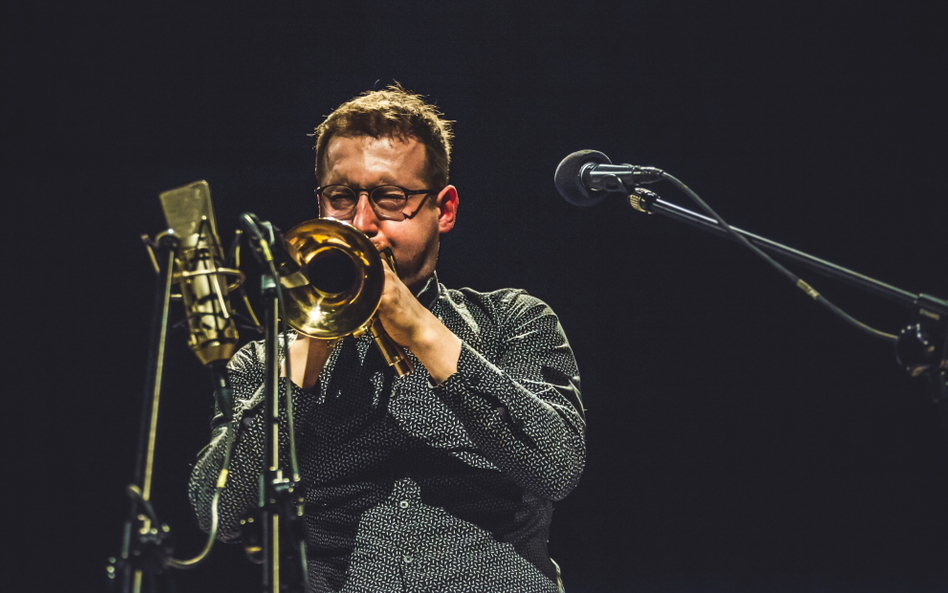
411, 325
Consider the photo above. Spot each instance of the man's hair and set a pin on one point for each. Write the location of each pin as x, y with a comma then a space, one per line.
392, 112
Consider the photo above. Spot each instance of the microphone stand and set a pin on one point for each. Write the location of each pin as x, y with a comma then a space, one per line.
145, 551
280, 501
921, 347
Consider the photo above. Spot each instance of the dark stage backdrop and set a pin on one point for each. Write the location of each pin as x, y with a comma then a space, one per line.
741, 439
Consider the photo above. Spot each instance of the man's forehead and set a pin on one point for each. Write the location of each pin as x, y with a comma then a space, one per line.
395, 140
392, 153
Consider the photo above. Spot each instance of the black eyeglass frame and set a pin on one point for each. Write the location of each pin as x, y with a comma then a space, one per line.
368, 192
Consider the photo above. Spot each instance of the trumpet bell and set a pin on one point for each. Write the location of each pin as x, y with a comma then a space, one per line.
345, 276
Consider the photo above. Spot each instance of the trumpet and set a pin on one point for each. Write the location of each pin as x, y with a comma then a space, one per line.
343, 288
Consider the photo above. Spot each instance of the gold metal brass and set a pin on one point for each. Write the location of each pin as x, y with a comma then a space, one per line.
345, 285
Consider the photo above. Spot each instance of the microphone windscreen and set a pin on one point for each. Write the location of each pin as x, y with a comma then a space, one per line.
187, 209
569, 181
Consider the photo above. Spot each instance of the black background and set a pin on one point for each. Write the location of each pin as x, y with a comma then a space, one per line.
740, 437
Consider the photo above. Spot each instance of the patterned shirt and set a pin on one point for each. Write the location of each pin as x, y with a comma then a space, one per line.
411, 487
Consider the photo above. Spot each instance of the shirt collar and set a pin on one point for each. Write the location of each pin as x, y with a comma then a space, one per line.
430, 293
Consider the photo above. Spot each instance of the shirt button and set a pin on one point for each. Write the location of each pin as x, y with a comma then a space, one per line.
407, 559
403, 504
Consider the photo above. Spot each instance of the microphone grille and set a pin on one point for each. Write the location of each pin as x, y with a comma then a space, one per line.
186, 209
569, 181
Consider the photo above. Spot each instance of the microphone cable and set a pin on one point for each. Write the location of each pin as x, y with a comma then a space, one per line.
230, 434
796, 280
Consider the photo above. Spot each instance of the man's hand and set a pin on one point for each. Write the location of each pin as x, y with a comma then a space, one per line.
413, 326
406, 321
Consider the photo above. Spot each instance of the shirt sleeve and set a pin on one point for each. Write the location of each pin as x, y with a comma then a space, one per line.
523, 409
246, 372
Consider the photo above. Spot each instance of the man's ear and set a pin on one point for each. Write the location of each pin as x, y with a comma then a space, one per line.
447, 203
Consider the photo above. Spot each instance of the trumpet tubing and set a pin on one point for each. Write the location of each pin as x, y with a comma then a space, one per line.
345, 281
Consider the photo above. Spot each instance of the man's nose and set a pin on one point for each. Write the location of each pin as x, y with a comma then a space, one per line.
364, 218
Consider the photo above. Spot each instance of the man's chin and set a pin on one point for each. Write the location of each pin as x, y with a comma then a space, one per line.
417, 276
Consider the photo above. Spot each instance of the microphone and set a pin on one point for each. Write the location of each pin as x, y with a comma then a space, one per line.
190, 216
586, 177
269, 247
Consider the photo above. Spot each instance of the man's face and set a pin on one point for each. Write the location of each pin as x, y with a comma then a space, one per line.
364, 162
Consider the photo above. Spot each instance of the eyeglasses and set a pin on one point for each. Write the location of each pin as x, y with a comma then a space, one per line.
388, 201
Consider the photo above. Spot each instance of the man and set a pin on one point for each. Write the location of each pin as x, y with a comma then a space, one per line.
444, 479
